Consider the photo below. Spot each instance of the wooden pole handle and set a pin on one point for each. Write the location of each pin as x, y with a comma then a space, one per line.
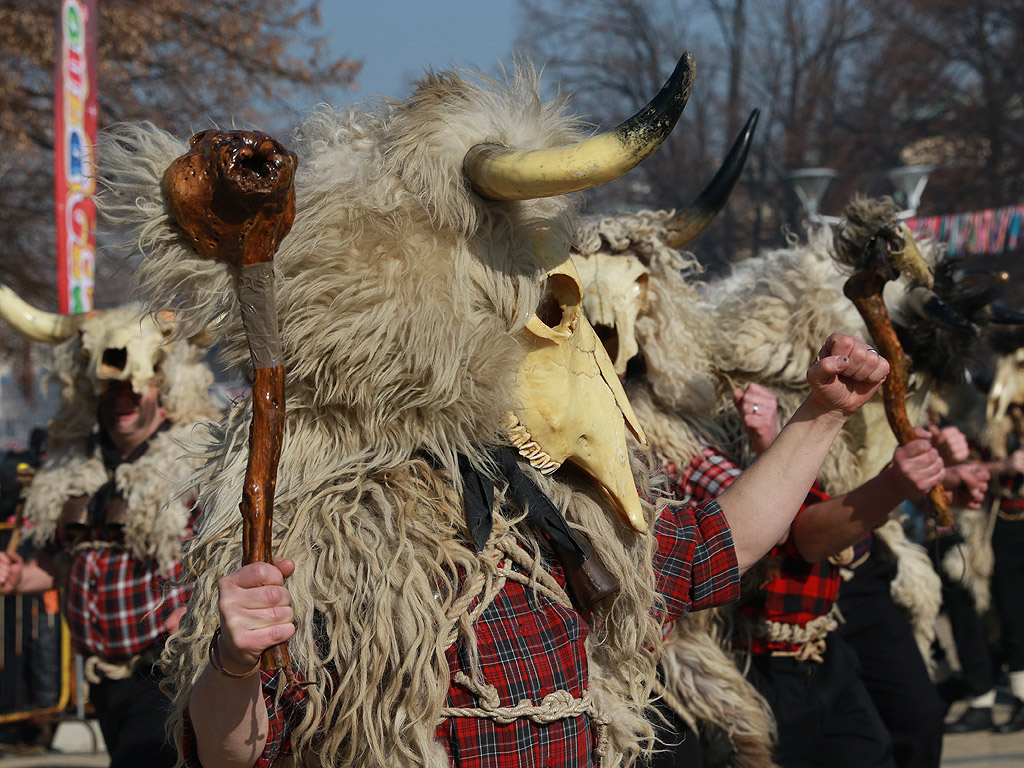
257, 507
865, 291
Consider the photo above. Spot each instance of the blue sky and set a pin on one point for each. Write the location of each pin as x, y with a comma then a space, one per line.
398, 40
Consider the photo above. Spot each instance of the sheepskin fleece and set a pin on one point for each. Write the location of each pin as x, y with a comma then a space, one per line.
971, 562
156, 489
763, 323
399, 297
705, 686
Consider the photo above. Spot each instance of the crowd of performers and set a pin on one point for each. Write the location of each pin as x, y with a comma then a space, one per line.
495, 541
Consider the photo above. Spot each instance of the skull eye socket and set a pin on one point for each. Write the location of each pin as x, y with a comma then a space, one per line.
115, 358
559, 302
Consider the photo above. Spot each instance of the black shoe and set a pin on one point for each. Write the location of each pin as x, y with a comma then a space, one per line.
973, 719
1016, 720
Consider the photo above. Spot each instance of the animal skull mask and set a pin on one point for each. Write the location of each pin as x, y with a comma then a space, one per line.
572, 405
1007, 385
116, 345
618, 296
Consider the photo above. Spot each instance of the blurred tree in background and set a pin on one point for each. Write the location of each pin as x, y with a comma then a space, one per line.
860, 86
179, 63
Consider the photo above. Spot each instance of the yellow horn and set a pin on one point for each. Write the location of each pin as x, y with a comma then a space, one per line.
500, 173
36, 324
909, 260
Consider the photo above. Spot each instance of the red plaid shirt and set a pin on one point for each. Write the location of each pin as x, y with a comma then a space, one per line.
115, 603
530, 647
798, 591
705, 477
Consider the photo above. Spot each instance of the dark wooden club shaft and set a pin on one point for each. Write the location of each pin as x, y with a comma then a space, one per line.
866, 295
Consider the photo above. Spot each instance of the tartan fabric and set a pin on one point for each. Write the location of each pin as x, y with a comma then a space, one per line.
115, 603
798, 591
705, 477
530, 647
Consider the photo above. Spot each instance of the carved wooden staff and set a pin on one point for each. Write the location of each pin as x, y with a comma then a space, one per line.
864, 289
233, 194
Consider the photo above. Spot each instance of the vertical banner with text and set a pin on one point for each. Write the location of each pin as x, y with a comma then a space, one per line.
74, 125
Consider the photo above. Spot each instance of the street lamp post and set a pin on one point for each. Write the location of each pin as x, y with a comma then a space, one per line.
911, 181
810, 185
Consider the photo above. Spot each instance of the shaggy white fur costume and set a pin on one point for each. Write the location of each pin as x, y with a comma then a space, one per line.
399, 295
764, 323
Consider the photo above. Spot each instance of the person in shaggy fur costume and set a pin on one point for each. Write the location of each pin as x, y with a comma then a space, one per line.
111, 507
438, 363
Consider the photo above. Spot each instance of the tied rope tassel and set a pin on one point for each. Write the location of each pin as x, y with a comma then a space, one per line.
555, 705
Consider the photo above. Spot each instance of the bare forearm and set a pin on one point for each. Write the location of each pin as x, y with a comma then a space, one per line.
35, 578
829, 527
230, 720
1000, 468
761, 503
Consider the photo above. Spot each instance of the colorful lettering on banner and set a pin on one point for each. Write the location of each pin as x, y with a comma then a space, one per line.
994, 230
75, 119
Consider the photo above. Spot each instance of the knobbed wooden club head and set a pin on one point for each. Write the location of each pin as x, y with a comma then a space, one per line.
233, 194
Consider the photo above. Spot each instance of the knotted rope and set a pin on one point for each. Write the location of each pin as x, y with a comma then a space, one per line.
810, 638
554, 706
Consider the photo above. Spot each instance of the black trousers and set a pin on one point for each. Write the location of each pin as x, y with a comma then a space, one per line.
1008, 589
678, 746
825, 716
891, 665
132, 714
969, 633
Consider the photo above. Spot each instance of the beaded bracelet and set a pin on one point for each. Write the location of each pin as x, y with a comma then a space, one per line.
214, 653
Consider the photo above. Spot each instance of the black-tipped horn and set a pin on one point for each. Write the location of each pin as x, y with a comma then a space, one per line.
684, 227
1000, 315
500, 173
940, 310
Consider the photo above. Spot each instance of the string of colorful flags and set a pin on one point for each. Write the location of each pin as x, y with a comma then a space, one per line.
990, 231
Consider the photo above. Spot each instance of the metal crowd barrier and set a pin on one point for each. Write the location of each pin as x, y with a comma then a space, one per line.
37, 666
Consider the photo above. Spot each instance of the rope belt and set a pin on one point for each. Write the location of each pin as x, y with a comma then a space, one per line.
554, 706
83, 546
1011, 517
810, 639
97, 669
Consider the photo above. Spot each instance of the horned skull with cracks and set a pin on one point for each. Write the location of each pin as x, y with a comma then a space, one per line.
574, 408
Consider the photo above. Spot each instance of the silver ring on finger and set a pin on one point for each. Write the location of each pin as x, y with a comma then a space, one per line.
755, 409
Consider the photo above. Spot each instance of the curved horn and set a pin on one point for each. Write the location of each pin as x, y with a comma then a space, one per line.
938, 309
908, 259
1000, 315
36, 324
499, 173
686, 225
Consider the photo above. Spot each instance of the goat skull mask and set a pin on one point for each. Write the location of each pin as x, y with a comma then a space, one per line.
572, 407
121, 344
618, 297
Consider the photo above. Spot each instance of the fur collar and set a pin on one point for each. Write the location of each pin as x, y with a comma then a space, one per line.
155, 487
